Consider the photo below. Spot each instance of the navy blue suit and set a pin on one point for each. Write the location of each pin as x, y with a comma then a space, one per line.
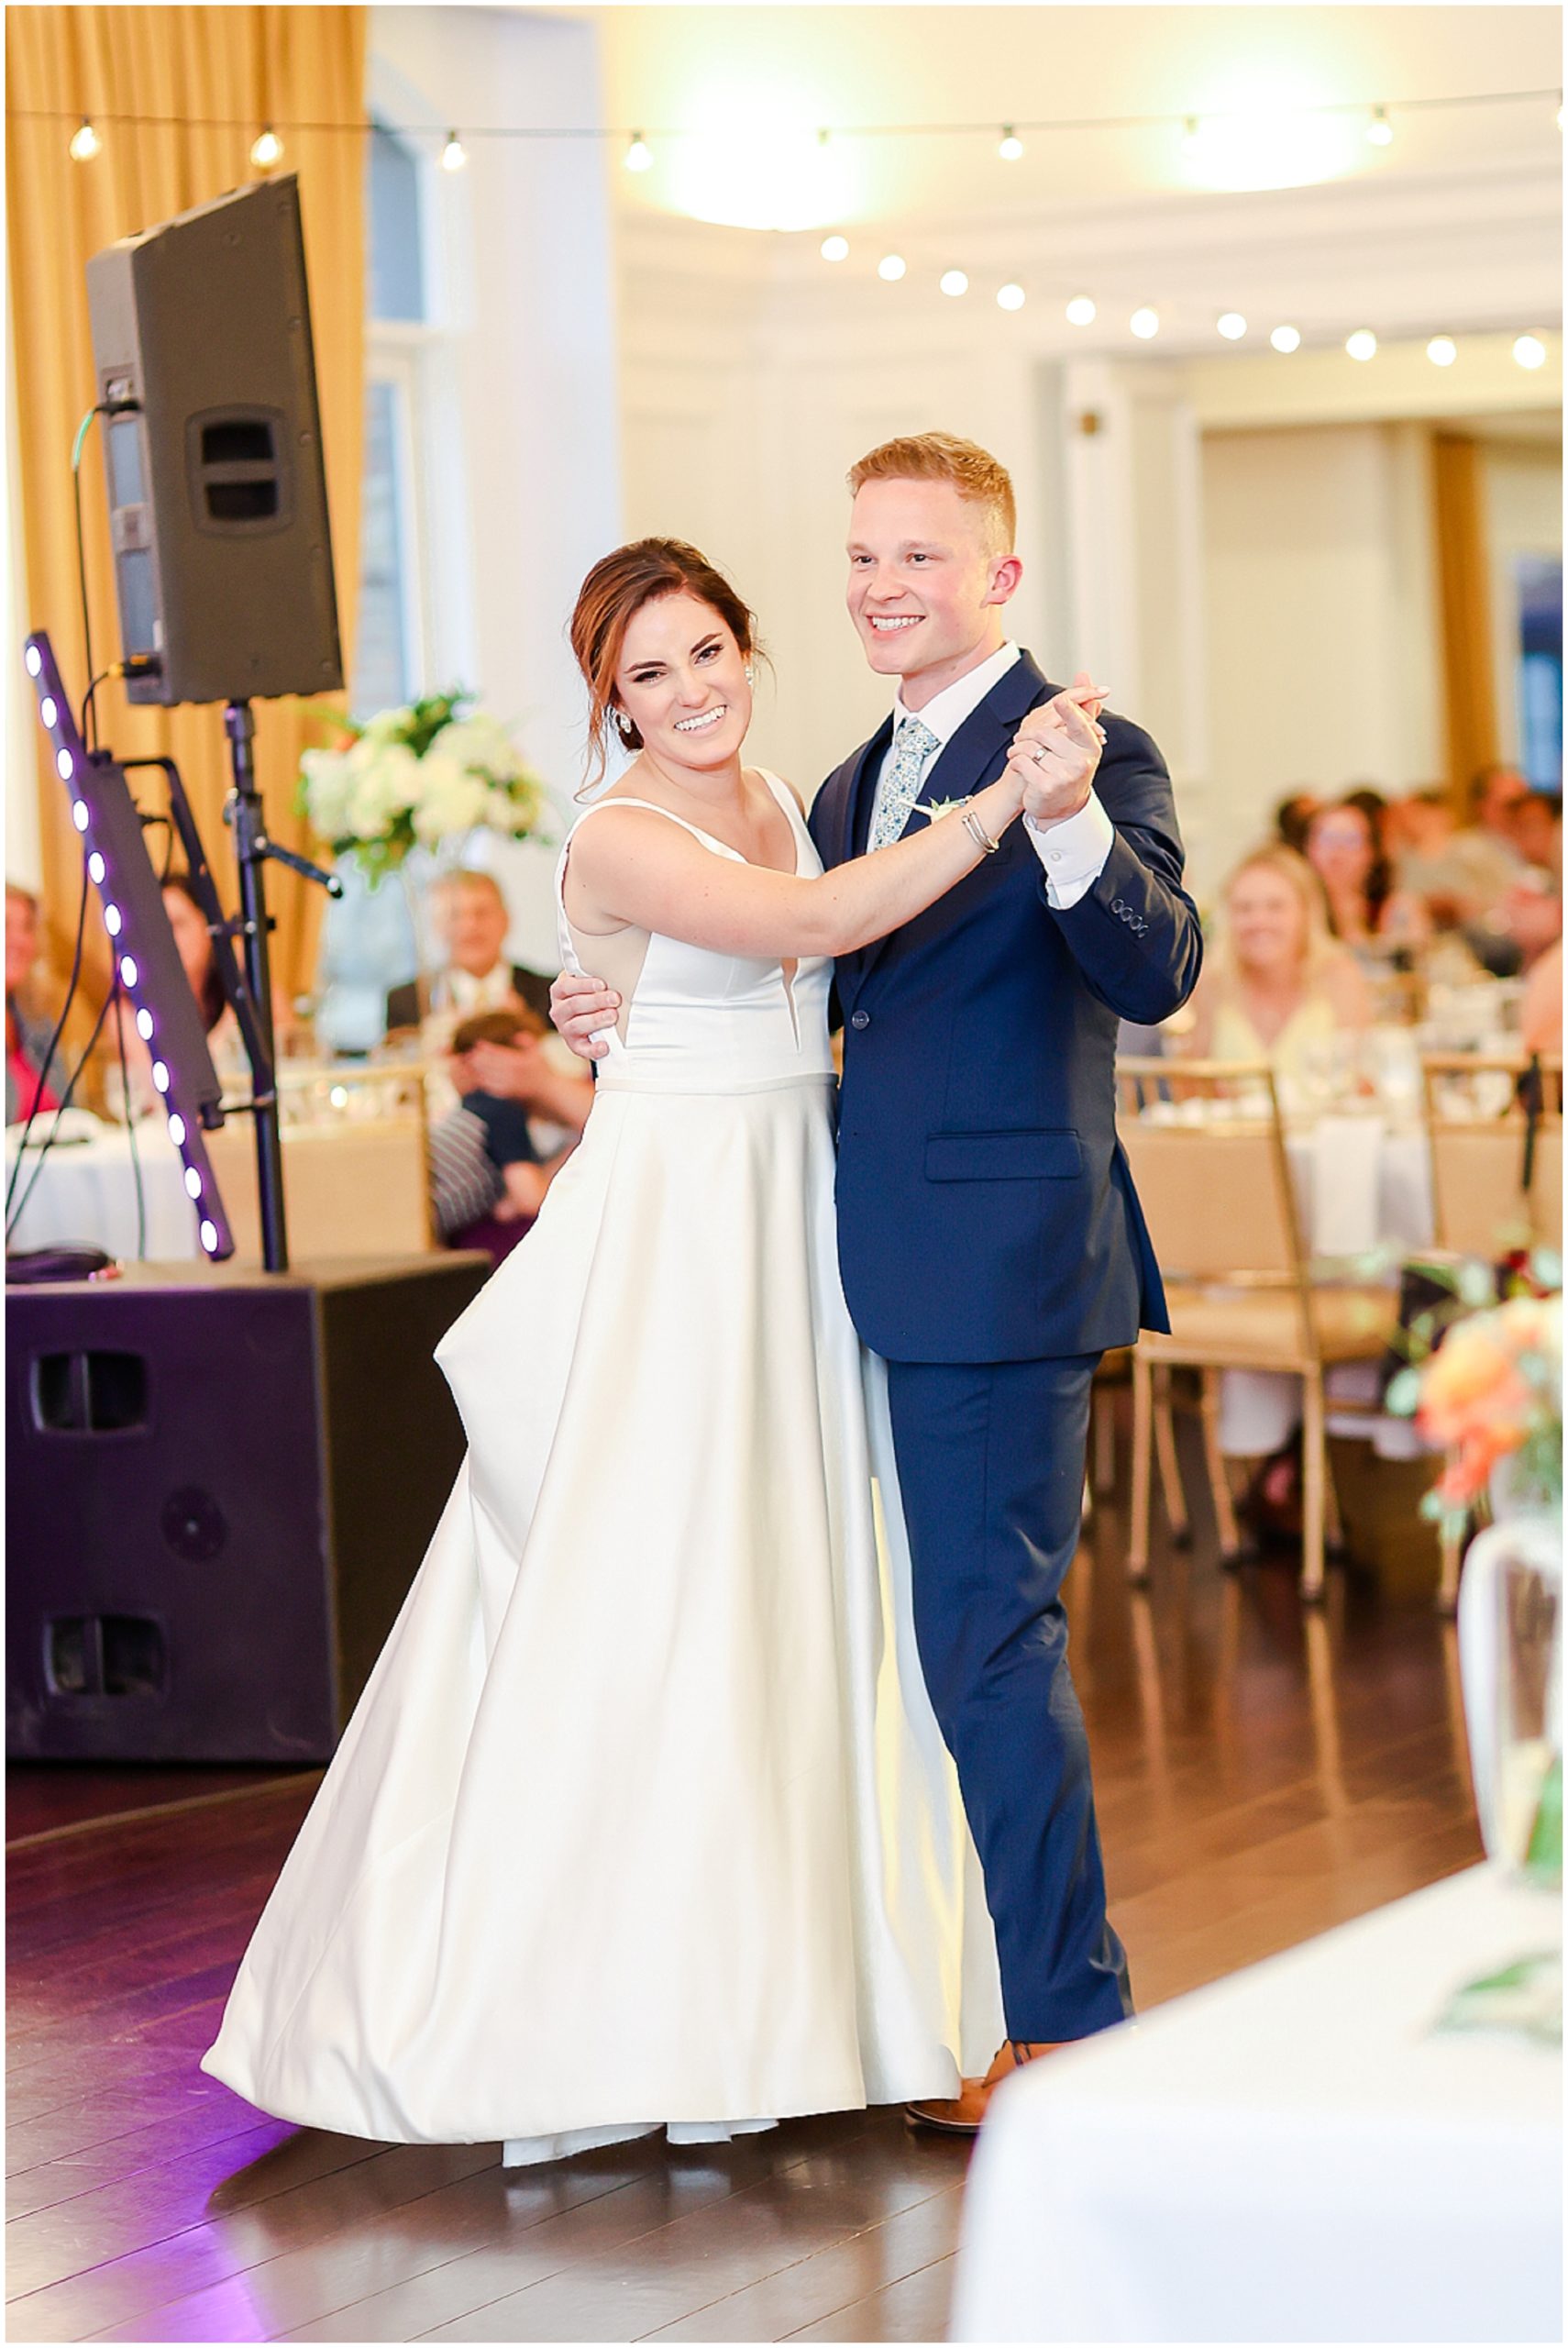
992, 1248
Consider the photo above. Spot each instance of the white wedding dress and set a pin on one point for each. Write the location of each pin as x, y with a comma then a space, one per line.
644, 1817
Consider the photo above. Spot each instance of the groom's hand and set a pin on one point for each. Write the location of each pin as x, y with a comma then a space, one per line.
1056, 750
582, 1008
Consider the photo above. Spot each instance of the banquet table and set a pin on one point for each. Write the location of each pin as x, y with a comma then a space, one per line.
84, 1193
1292, 2153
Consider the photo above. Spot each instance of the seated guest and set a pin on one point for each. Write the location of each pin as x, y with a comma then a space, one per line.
1417, 830
1292, 816
194, 941
491, 1201
1537, 833
1480, 866
1277, 988
470, 919
1541, 1012
1366, 912
28, 1033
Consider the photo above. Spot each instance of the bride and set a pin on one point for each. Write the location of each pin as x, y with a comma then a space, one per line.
644, 1817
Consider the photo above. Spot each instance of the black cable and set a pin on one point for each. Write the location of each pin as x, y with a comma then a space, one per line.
118, 999
64, 1103
74, 981
81, 431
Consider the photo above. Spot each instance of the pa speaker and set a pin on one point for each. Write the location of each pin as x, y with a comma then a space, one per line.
220, 1485
217, 497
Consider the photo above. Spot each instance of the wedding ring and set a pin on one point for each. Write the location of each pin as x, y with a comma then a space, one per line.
1037, 751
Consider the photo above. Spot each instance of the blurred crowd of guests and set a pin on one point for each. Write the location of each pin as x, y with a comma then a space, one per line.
1359, 909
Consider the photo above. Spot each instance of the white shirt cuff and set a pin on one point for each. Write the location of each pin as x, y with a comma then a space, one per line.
1073, 852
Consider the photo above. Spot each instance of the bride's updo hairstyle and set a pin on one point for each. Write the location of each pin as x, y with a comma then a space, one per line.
612, 591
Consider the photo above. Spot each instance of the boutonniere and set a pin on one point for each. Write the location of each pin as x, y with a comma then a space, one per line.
933, 808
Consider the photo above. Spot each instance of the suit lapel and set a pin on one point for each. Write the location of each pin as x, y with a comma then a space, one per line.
974, 757
862, 783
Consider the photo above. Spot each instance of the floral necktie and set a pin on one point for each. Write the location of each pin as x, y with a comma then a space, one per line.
912, 746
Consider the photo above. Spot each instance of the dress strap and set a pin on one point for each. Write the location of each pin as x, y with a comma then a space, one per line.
697, 833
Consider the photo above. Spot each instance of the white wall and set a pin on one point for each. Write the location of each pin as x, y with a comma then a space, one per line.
525, 286
1319, 583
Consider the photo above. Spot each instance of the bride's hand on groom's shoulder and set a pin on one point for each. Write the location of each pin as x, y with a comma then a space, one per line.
582, 1008
1056, 750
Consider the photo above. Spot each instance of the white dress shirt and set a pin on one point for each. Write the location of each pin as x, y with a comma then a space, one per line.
1073, 850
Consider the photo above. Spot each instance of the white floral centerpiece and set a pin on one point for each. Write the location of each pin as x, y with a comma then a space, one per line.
416, 778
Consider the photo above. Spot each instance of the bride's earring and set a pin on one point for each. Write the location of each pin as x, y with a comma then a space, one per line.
750, 674
623, 726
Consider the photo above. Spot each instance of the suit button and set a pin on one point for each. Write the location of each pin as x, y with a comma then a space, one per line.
860, 1019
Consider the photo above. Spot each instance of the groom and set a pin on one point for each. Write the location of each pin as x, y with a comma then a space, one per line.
990, 1244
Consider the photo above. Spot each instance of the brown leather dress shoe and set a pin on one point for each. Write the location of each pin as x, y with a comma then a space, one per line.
960, 2115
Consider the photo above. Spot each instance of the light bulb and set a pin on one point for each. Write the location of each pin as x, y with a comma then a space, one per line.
454, 155
78, 814
32, 660
1443, 351
835, 248
1010, 297
1233, 326
127, 971
268, 149
86, 143
95, 868
48, 711
65, 767
1380, 130
638, 156
1363, 343
891, 267
210, 1238
176, 1130
112, 921
144, 1026
952, 281
1529, 350
1287, 339
193, 1184
1145, 323
160, 1077
1080, 310
1011, 146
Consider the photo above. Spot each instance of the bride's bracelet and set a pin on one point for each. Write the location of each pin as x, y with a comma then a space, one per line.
978, 833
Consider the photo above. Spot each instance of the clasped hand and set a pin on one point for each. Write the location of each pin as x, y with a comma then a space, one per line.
1057, 749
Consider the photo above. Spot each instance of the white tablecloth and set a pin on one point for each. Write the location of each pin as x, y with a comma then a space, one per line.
84, 1194
1289, 2154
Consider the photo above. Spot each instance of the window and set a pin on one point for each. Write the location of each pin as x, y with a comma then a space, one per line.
1538, 681
391, 653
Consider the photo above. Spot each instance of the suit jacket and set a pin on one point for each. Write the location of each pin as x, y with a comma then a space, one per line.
402, 1003
985, 1212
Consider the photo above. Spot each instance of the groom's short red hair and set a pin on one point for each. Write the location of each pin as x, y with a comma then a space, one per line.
974, 472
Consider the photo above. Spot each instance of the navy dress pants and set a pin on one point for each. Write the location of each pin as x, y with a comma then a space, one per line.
990, 1461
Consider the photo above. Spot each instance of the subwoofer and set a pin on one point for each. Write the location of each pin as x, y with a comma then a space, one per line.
220, 1485
211, 442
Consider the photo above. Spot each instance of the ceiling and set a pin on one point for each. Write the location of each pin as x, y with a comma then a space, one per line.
740, 95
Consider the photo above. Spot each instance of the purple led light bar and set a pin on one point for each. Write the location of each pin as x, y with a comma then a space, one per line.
151, 973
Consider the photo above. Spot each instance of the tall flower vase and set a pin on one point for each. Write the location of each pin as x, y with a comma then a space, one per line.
1511, 1643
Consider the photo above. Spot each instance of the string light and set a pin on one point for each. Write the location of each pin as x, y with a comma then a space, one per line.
454, 155
1010, 297
890, 267
638, 156
835, 248
86, 143
1286, 338
1380, 130
1529, 350
952, 281
1145, 323
1362, 344
1080, 310
1443, 351
1011, 146
268, 149
1232, 324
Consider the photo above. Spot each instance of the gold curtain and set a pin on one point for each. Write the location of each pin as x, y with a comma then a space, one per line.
1470, 706
219, 74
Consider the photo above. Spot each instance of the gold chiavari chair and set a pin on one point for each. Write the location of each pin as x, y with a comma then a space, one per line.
1495, 1130
1216, 1190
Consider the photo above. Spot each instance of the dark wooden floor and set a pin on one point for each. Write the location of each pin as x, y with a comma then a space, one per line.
1263, 1774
